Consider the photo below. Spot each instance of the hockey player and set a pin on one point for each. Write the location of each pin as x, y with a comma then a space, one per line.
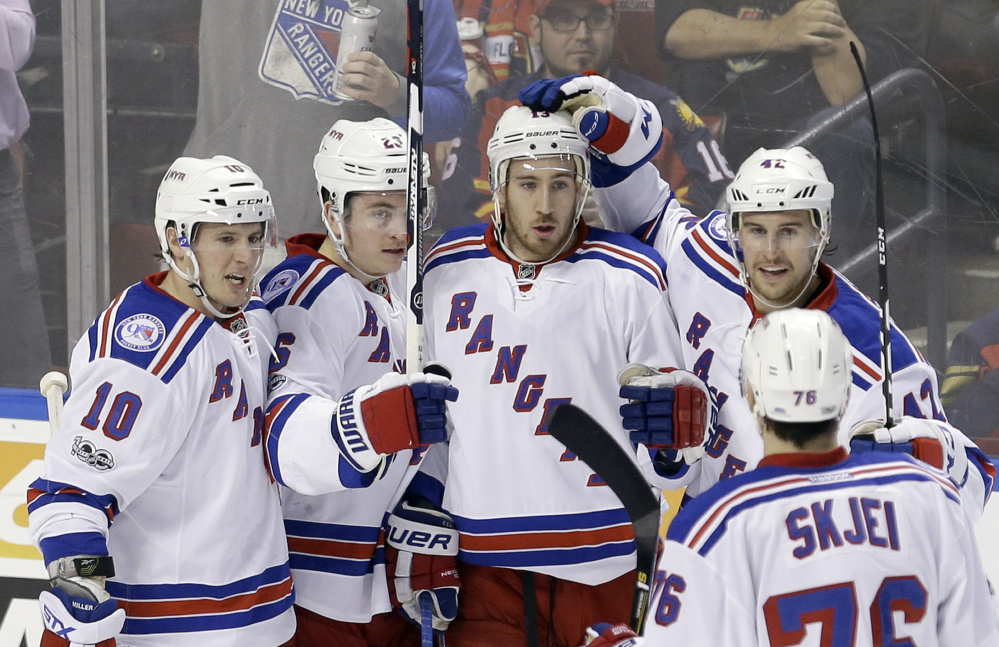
727, 270
347, 428
862, 549
158, 464
531, 311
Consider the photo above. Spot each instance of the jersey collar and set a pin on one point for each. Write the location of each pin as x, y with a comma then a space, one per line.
494, 248
307, 244
806, 459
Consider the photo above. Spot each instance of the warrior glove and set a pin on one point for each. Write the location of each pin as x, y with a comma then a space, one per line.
397, 412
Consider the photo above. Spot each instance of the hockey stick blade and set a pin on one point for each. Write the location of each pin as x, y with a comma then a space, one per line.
588, 440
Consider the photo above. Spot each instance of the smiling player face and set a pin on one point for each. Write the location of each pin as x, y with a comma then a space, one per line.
779, 250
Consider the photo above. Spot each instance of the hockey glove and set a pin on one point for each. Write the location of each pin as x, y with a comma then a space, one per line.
624, 131
930, 441
667, 410
397, 412
604, 634
79, 622
421, 547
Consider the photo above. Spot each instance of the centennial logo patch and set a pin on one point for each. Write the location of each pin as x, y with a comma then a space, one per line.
142, 332
86, 451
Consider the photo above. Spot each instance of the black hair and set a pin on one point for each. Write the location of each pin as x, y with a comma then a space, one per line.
801, 433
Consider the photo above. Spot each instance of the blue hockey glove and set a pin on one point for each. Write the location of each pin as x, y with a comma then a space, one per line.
422, 544
624, 131
930, 441
397, 412
667, 410
79, 622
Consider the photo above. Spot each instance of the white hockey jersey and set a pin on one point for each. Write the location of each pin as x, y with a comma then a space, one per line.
159, 462
334, 335
521, 340
870, 549
714, 315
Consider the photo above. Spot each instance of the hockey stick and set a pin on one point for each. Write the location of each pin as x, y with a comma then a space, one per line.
879, 214
414, 254
586, 438
53, 385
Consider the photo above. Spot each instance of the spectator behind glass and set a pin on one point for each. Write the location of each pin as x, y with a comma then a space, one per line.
24, 351
265, 95
506, 39
578, 35
970, 389
772, 65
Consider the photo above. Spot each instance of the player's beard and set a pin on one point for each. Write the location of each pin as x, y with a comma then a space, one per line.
787, 290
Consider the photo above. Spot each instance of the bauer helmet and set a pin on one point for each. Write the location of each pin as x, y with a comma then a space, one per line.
522, 134
218, 190
798, 365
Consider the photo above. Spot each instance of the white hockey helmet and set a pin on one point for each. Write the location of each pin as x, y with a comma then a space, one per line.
373, 155
219, 190
781, 180
523, 133
798, 365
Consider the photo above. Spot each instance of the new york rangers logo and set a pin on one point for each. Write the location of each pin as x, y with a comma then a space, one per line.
281, 282
717, 227
300, 54
143, 333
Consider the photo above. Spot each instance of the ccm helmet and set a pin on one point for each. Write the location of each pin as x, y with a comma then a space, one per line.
798, 365
219, 190
781, 180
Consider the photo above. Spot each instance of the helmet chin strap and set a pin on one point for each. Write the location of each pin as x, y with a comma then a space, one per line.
194, 282
744, 279
340, 243
501, 230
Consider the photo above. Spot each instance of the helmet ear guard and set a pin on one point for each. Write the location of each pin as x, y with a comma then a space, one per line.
798, 366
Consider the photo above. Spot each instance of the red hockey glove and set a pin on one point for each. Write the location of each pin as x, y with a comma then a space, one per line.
670, 409
397, 412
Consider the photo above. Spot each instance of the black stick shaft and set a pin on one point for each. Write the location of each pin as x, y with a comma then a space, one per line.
879, 214
414, 255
